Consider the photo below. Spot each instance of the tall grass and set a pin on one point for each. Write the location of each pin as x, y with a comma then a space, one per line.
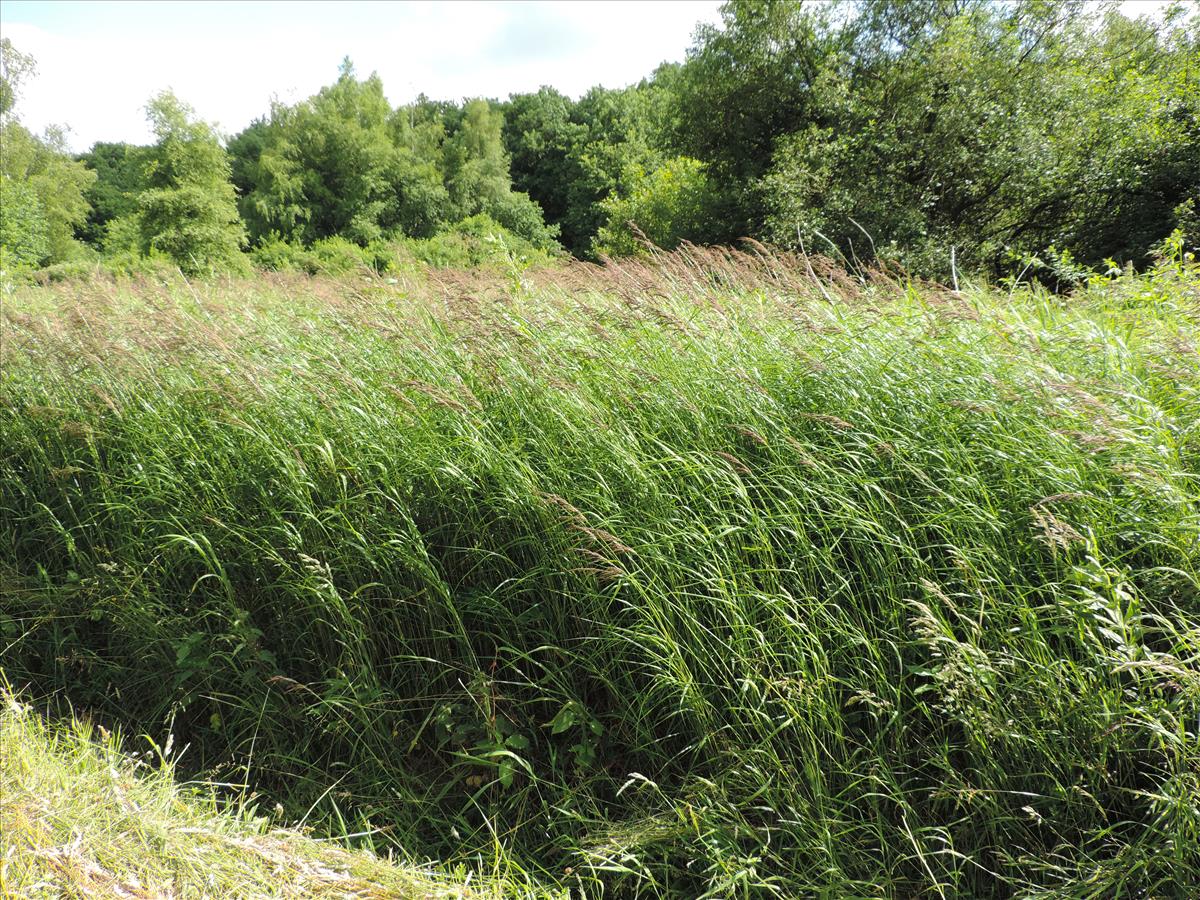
700, 577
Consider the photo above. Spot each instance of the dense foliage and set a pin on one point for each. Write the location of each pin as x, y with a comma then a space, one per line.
1001, 131
698, 578
1043, 138
120, 176
187, 211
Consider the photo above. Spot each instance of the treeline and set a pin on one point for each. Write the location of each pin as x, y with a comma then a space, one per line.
1031, 136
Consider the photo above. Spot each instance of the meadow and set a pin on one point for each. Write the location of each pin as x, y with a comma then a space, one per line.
719, 573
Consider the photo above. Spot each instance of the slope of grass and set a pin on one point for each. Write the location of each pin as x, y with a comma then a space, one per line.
79, 818
698, 578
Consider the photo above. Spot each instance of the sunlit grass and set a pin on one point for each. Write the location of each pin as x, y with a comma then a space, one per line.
693, 578
81, 818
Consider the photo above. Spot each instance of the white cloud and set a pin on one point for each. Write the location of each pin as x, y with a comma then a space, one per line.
228, 60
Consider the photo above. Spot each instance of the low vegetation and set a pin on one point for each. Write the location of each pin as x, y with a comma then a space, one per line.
717, 574
80, 818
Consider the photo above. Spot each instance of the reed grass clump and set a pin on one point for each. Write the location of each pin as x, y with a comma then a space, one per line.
716, 575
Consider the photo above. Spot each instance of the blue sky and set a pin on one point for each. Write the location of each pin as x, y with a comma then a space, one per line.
98, 62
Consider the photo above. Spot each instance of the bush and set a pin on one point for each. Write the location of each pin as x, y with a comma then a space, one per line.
328, 256
336, 256
477, 241
123, 235
75, 270
277, 255
522, 217
673, 203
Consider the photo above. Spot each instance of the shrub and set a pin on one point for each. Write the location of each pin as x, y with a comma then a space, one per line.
672, 203
477, 241
521, 217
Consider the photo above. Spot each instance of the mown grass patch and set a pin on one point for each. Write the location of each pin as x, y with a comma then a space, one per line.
79, 817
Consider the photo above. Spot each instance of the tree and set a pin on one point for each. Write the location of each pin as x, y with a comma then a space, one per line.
341, 163
120, 177
42, 190
1130, 141
474, 160
477, 176
612, 139
15, 68
911, 129
188, 210
542, 138
752, 80
23, 242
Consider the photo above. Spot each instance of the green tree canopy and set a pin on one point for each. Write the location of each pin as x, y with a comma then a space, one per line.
42, 190
909, 129
188, 210
1004, 133
15, 68
120, 177
541, 137
329, 166
343, 162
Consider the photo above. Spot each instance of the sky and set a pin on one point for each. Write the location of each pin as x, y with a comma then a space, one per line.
99, 62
